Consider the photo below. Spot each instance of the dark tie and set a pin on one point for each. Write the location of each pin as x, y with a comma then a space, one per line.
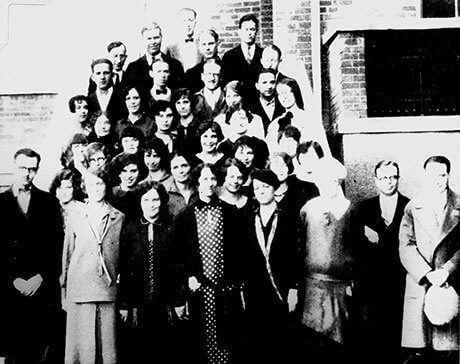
188, 40
160, 92
115, 79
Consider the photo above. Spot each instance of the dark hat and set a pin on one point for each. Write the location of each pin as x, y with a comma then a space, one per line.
133, 132
79, 138
266, 176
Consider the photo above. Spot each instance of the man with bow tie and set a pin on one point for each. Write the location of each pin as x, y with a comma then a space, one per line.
138, 72
186, 49
160, 75
32, 236
429, 249
382, 276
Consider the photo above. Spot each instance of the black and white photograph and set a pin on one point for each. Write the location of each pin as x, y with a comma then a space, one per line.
229, 181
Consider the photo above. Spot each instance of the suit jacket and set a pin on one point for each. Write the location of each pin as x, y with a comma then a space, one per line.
256, 107
32, 242
81, 277
203, 109
116, 108
193, 77
137, 73
381, 276
296, 90
420, 238
235, 67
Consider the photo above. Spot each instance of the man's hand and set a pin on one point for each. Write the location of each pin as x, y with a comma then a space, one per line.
371, 235
181, 312
124, 315
292, 299
20, 285
34, 284
438, 277
193, 284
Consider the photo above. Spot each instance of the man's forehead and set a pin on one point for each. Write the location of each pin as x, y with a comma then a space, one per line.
118, 50
22, 159
387, 170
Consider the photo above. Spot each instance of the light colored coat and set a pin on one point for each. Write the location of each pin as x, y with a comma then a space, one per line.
419, 237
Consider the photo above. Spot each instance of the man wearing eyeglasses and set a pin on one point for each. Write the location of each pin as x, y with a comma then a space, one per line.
381, 274
31, 237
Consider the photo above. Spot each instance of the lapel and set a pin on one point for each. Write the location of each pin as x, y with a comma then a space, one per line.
425, 215
451, 216
220, 104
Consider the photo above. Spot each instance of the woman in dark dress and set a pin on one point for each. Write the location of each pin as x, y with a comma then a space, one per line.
144, 252
210, 239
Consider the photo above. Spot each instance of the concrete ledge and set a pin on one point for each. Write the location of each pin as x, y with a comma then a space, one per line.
359, 24
406, 124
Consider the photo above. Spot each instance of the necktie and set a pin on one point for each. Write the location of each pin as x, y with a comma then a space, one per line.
188, 40
115, 78
160, 92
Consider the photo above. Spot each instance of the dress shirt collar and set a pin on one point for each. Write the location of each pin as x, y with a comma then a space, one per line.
17, 190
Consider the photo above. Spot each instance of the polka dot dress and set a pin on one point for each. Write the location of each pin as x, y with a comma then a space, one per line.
210, 238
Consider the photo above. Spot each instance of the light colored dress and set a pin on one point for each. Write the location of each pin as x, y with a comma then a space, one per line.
328, 264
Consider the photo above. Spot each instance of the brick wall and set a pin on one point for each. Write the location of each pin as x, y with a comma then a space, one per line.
24, 119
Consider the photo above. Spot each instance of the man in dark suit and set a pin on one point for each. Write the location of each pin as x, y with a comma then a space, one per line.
243, 62
208, 41
381, 275
117, 54
105, 98
32, 237
265, 103
271, 58
138, 72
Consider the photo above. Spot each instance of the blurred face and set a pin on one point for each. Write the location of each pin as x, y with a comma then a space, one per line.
387, 179
239, 122
64, 192
183, 107
118, 57
209, 141
78, 151
130, 145
233, 180
164, 120
95, 188
97, 160
248, 32
266, 85
180, 169
207, 46
152, 41
270, 59
328, 185
211, 76
81, 111
150, 204
207, 183
288, 146
285, 96
102, 76
232, 98
263, 192
102, 126
129, 175
25, 170
308, 160
279, 167
188, 21
152, 160
160, 73
245, 155
133, 101
436, 177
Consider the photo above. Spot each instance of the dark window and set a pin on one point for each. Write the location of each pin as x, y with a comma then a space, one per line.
413, 72
438, 8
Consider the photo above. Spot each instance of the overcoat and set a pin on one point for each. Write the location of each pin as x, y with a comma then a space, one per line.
422, 248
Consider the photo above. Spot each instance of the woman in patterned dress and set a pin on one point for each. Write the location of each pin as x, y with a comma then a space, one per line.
210, 241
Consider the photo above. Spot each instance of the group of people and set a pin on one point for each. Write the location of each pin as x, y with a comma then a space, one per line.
199, 216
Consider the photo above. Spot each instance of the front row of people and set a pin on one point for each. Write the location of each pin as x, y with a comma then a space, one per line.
230, 282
